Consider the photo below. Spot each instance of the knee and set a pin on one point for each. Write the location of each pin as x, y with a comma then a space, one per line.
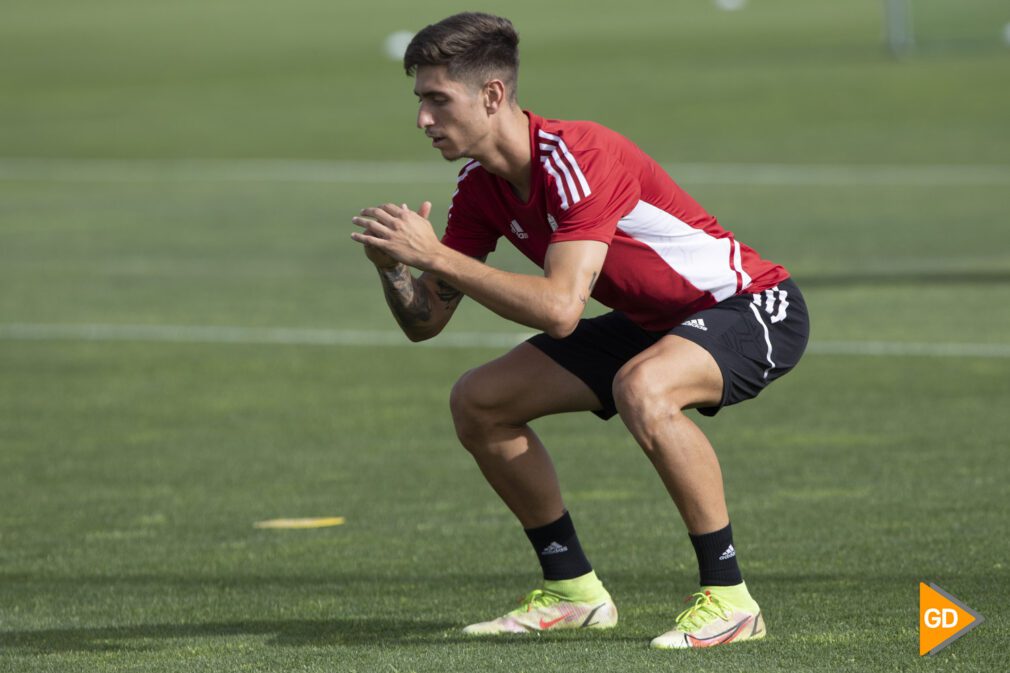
472, 408
460, 403
642, 394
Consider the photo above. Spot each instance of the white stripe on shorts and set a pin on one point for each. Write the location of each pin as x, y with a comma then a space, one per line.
757, 314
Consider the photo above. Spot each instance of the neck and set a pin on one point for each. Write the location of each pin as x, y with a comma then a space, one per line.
509, 156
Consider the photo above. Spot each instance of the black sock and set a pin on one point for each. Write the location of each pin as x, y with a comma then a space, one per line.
557, 546
717, 558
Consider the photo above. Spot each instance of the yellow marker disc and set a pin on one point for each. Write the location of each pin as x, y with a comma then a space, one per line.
301, 523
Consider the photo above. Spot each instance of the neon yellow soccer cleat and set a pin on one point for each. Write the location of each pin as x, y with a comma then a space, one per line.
719, 616
581, 603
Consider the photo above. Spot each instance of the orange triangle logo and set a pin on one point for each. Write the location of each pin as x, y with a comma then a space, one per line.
942, 619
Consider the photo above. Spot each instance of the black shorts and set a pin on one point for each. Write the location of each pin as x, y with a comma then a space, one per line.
755, 339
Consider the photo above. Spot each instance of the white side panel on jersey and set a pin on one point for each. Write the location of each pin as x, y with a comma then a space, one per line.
702, 259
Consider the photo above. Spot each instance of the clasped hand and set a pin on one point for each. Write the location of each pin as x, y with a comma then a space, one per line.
401, 233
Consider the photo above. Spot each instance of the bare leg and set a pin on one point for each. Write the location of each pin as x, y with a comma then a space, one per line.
651, 392
491, 407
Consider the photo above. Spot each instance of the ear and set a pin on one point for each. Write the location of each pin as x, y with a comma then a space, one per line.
494, 95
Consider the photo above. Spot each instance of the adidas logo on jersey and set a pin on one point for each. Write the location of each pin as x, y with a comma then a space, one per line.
551, 221
518, 230
696, 322
728, 554
553, 548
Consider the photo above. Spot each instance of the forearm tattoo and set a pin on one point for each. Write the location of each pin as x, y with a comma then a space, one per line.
408, 299
447, 293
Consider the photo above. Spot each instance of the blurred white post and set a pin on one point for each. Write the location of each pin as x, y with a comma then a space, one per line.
898, 25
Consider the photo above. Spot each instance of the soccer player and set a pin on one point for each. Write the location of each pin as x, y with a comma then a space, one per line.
699, 321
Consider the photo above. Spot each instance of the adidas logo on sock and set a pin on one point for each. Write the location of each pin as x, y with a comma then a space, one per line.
728, 554
553, 548
696, 322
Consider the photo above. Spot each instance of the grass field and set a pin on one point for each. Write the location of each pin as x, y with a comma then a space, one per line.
151, 410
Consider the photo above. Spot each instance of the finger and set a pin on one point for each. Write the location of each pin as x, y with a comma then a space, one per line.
372, 227
363, 221
372, 241
425, 209
379, 214
392, 209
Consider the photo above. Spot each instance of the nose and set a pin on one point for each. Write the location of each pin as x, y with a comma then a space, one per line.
424, 118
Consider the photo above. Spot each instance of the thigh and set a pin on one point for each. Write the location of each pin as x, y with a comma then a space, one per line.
596, 351
525, 384
754, 338
675, 370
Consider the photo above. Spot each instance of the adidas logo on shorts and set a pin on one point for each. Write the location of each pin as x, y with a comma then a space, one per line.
696, 322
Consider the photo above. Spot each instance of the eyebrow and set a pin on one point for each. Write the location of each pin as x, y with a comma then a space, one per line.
429, 94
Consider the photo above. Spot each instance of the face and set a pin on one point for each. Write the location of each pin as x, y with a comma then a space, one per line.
450, 112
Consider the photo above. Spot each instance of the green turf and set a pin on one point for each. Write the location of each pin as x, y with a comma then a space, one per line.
131, 472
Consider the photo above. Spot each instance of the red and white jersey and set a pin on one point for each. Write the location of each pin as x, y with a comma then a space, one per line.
668, 258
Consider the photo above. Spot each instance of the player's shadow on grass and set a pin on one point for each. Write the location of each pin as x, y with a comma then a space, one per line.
280, 633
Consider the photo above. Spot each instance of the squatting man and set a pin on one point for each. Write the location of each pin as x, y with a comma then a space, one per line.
699, 320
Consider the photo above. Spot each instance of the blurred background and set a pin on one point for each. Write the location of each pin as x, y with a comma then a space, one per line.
190, 341
141, 141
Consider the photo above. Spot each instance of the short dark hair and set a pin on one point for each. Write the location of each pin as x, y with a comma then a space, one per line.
473, 46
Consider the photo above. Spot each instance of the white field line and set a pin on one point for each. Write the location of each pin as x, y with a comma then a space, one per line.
341, 337
287, 336
424, 172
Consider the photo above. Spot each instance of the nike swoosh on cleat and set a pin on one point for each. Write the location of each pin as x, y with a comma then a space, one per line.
726, 636
546, 625
588, 621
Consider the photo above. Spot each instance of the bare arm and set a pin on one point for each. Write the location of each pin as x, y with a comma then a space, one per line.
552, 303
422, 306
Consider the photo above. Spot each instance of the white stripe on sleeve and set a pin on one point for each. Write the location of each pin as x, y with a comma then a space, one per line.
576, 169
557, 182
558, 163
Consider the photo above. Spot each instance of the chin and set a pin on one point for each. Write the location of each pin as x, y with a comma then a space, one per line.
451, 155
